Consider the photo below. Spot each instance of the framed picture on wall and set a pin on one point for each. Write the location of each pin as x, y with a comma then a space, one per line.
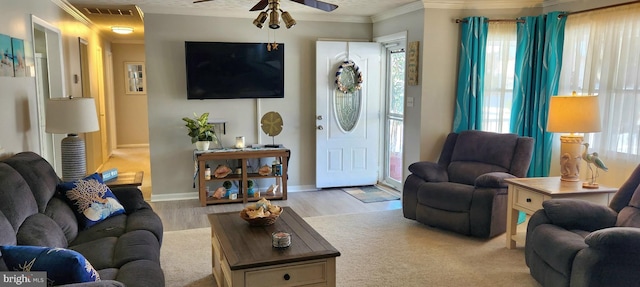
6, 56
19, 61
413, 64
135, 78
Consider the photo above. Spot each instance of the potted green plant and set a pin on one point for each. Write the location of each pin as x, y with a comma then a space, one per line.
200, 131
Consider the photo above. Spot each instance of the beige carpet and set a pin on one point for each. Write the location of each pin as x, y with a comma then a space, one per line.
378, 249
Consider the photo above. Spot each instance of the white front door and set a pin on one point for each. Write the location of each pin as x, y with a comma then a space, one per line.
347, 124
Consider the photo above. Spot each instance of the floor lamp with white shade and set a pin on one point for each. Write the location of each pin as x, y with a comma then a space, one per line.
72, 116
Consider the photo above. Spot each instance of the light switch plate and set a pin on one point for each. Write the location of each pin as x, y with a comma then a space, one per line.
409, 101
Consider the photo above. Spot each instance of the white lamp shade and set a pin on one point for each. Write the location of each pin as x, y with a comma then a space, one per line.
573, 114
71, 116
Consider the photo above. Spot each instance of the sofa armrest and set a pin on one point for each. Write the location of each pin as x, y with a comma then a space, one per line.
429, 171
621, 239
579, 214
130, 198
493, 180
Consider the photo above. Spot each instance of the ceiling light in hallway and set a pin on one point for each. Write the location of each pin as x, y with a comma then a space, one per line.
122, 30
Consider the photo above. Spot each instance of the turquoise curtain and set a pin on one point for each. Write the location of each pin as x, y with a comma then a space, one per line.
468, 113
537, 72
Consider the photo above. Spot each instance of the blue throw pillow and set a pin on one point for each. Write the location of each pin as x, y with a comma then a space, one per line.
92, 199
63, 266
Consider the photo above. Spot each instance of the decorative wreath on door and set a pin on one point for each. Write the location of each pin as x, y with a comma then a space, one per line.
348, 77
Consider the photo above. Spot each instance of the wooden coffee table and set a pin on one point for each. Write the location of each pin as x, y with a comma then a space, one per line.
242, 255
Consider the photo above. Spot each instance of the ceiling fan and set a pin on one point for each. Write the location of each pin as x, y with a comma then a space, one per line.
311, 3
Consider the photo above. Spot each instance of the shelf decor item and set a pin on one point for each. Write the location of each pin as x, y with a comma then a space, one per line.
264, 170
271, 124
261, 213
250, 190
200, 131
221, 171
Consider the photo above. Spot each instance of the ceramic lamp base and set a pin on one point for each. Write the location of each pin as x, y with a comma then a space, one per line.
570, 157
74, 159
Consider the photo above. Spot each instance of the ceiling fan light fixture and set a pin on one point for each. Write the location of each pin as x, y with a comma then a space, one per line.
274, 20
259, 21
288, 20
122, 30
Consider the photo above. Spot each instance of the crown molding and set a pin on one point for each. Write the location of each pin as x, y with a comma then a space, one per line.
481, 5
76, 14
551, 3
463, 4
408, 8
245, 15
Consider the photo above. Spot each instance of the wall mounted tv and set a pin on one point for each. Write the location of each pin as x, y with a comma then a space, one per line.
217, 70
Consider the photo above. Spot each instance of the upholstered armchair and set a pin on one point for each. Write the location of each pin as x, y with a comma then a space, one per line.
579, 243
464, 191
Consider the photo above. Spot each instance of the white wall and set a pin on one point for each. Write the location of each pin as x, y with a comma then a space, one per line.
171, 148
18, 110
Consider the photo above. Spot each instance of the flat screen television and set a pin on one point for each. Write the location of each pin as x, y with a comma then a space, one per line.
217, 70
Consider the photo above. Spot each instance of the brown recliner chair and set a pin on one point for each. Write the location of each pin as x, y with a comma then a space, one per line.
465, 191
571, 242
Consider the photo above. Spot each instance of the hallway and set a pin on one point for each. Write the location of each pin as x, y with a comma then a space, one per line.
132, 160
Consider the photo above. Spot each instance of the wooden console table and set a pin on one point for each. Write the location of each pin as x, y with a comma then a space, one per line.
201, 157
527, 194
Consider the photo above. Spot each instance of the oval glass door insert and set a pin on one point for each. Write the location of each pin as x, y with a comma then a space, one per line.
347, 107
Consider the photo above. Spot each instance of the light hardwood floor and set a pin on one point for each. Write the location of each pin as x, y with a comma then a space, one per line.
188, 214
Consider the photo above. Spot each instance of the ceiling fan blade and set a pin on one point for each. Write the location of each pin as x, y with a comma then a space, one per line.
261, 5
318, 4
200, 1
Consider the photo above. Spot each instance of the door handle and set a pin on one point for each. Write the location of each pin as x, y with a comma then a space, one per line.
320, 128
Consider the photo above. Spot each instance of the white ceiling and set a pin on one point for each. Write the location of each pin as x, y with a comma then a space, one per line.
348, 10
345, 7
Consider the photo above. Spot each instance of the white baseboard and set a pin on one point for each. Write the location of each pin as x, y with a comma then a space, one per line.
194, 195
297, 188
174, 196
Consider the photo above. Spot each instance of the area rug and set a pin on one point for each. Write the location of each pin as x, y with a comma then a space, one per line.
377, 249
371, 193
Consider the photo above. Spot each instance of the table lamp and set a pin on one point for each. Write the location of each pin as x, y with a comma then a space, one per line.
572, 114
72, 116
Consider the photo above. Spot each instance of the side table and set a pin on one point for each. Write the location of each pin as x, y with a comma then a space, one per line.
527, 195
129, 179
